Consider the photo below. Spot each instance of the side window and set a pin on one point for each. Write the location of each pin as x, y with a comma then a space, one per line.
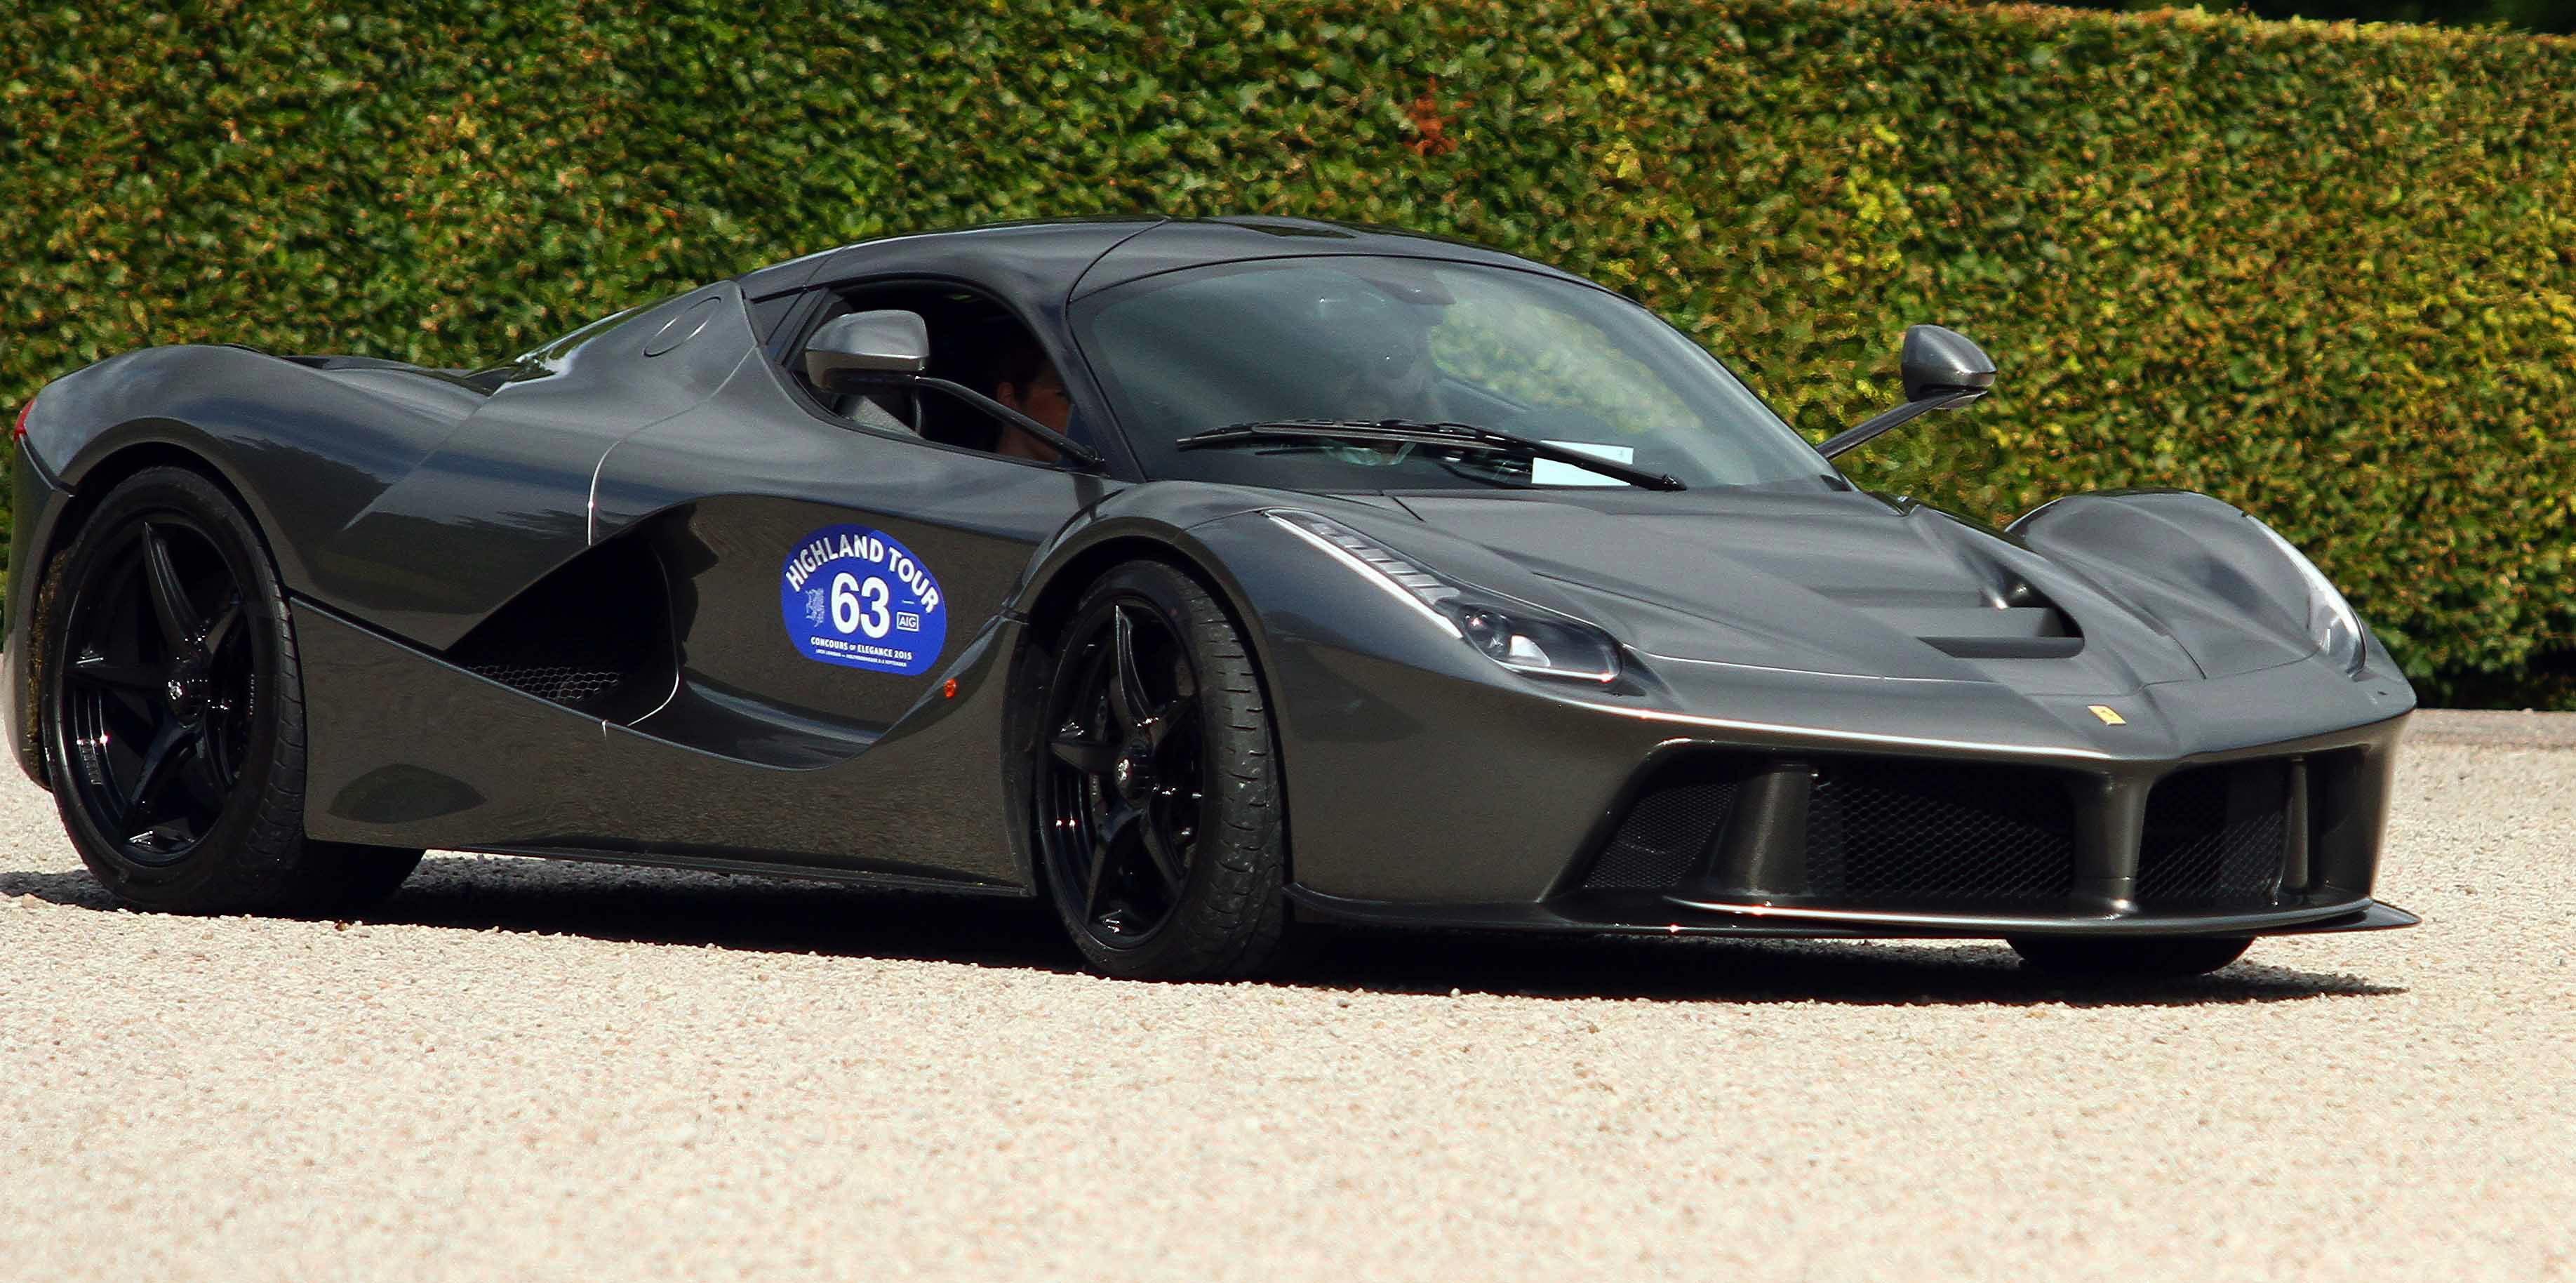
974, 342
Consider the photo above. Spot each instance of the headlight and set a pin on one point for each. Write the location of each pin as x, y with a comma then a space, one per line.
1516, 635
2331, 623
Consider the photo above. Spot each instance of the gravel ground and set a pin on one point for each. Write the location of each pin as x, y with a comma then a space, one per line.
529, 1070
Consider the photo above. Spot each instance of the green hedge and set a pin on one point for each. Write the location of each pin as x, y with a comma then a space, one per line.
2325, 272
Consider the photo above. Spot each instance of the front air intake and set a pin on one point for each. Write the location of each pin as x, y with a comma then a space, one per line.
1664, 833
2215, 836
1899, 833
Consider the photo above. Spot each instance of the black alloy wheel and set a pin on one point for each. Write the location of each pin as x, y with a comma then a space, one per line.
1155, 787
1129, 785
173, 719
158, 697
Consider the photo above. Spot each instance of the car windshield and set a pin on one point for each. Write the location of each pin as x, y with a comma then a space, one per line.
1374, 338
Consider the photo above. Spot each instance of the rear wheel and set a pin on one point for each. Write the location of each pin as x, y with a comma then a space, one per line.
2148, 959
1156, 785
174, 718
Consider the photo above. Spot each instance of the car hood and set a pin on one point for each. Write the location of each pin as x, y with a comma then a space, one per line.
1846, 582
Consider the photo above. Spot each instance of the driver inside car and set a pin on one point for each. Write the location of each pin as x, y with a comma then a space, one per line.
1026, 381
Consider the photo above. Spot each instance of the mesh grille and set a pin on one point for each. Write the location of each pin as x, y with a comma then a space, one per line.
562, 683
2214, 836
1662, 836
578, 635
1905, 833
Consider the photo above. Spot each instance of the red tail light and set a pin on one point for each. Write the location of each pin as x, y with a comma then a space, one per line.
19, 433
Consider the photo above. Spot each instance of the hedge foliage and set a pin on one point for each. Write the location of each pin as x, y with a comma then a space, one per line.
2324, 272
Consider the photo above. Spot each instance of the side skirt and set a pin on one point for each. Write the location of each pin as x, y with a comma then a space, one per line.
765, 869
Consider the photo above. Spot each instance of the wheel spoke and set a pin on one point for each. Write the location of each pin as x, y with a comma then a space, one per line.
220, 628
98, 670
1103, 850
204, 775
1091, 890
169, 596
127, 695
214, 760
1127, 697
169, 746
1167, 862
1084, 754
127, 717
1169, 718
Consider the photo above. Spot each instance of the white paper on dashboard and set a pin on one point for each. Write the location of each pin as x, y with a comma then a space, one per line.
1548, 472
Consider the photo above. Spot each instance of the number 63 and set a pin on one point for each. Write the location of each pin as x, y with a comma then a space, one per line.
861, 606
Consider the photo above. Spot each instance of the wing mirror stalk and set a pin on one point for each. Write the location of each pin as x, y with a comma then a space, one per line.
1942, 370
847, 381
891, 348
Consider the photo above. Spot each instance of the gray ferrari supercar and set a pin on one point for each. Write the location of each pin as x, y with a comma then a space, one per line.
1200, 577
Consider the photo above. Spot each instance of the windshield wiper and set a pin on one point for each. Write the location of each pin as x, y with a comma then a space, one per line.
1422, 432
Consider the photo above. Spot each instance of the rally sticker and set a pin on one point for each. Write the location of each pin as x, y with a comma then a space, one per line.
853, 596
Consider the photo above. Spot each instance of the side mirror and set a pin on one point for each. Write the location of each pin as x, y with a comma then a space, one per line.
885, 342
1943, 363
1942, 370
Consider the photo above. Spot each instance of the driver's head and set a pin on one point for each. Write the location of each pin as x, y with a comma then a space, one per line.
1025, 380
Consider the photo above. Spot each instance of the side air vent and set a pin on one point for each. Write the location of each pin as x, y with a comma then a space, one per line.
1662, 837
1669, 825
593, 636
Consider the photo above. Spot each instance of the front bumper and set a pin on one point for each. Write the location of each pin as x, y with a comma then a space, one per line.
2250, 841
2208, 812
1790, 841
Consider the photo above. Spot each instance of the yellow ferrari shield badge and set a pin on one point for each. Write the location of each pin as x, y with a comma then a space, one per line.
2110, 716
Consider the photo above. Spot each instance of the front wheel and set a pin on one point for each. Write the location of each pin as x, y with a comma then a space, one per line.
1156, 784
2164, 958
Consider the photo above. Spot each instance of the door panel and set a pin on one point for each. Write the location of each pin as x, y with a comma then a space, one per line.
733, 490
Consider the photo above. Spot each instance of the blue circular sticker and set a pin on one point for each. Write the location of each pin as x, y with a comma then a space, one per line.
852, 596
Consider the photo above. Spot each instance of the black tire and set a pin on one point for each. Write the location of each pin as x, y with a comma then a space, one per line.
1159, 833
2151, 958
173, 713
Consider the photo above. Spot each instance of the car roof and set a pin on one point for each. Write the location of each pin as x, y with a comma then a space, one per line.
1057, 259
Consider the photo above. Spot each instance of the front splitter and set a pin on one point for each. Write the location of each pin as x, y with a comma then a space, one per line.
1647, 914
2362, 914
